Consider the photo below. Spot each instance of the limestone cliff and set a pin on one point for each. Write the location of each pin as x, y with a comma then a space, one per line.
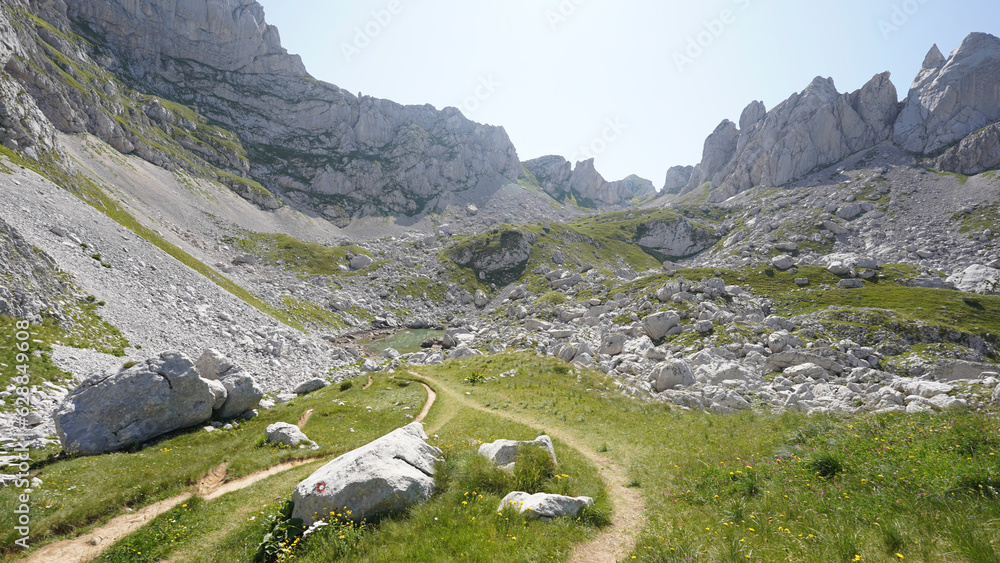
165, 78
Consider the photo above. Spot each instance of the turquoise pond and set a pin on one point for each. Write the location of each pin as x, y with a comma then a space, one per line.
405, 342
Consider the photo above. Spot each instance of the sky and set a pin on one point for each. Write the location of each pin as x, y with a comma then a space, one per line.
636, 84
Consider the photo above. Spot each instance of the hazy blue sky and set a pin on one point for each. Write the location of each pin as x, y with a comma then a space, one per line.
637, 84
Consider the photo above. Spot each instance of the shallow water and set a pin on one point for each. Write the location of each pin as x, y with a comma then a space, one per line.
405, 342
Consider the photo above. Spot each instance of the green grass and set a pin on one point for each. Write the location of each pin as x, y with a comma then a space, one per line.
820, 488
87, 330
305, 258
80, 492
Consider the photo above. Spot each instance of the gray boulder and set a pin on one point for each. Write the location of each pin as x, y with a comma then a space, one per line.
977, 278
612, 344
386, 476
114, 410
287, 434
670, 375
504, 452
219, 392
361, 262
242, 393
544, 506
212, 363
306, 387
782, 262
658, 324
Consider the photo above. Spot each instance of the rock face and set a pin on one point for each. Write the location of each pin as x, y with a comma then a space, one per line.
499, 257
677, 178
543, 506
30, 284
674, 239
559, 179
816, 127
718, 151
977, 279
111, 411
976, 153
504, 452
951, 98
386, 476
317, 145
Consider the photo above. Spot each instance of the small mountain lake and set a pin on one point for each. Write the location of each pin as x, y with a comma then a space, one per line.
405, 342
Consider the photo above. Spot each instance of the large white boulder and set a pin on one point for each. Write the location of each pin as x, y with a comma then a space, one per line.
658, 324
114, 410
504, 452
977, 278
287, 434
386, 476
670, 375
242, 393
544, 506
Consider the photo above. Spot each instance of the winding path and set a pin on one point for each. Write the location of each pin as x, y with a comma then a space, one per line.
210, 487
628, 507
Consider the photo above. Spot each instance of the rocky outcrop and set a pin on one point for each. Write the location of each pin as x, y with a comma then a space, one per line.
951, 98
500, 256
31, 289
674, 239
583, 182
384, 477
677, 178
814, 128
112, 411
976, 153
552, 172
718, 151
977, 278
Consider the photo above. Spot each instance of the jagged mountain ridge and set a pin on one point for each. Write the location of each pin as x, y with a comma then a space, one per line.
284, 133
950, 99
560, 179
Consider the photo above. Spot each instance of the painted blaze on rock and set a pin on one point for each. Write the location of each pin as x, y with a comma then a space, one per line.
386, 476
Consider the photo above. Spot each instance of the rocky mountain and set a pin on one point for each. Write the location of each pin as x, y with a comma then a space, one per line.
561, 180
174, 185
951, 105
266, 127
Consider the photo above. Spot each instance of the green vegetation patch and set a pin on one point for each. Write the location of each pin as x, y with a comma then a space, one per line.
80, 492
304, 258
